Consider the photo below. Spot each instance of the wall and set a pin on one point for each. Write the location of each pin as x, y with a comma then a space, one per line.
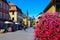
4, 10
19, 16
25, 21
51, 9
13, 16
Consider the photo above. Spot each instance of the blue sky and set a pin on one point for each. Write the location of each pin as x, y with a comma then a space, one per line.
34, 7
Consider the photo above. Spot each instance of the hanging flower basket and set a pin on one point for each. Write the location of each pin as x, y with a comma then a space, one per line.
48, 27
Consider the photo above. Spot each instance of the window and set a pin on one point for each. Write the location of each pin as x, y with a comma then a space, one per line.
6, 7
1, 23
4, 15
58, 7
13, 18
7, 16
0, 14
0, 5
13, 13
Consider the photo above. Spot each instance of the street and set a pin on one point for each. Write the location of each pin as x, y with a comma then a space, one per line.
18, 35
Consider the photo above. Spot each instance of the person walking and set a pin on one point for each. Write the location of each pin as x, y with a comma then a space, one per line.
24, 27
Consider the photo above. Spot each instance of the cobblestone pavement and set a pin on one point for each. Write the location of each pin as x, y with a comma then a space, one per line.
18, 35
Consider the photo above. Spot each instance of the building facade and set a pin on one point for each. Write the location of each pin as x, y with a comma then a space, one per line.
50, 7
15, 13
25, 19
53, 6
4, 12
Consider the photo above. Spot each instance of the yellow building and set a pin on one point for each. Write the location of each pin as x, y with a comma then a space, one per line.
25, 20
15, 13
50, 7
53, 6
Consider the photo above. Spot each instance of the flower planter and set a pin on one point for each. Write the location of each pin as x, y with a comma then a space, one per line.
48, 27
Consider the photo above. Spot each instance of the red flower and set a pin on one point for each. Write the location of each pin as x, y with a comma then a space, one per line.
50, 30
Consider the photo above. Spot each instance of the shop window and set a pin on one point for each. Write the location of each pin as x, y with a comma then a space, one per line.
0, 14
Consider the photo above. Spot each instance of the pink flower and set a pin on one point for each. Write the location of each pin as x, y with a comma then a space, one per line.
37, 25
50, 24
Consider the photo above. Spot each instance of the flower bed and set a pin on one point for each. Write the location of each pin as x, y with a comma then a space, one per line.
47, 27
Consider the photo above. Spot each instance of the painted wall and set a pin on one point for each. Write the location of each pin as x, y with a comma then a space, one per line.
13, 16
51, 9
25, 20
29, 23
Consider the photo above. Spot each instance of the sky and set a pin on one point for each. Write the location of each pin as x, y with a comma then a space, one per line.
34, 7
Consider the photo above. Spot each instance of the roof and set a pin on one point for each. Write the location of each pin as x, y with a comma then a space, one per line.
19, 10
39, 14
11, 4
49, 5
5, 1
13, 7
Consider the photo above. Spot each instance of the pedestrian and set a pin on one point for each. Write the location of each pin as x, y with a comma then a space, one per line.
21, 25
24, 28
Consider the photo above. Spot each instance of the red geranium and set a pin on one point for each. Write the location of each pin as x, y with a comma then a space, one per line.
48, 27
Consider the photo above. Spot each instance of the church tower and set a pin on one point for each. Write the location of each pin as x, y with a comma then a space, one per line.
27, 13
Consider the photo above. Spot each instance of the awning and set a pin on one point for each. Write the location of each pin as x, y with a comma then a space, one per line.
16, 23
7, 22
